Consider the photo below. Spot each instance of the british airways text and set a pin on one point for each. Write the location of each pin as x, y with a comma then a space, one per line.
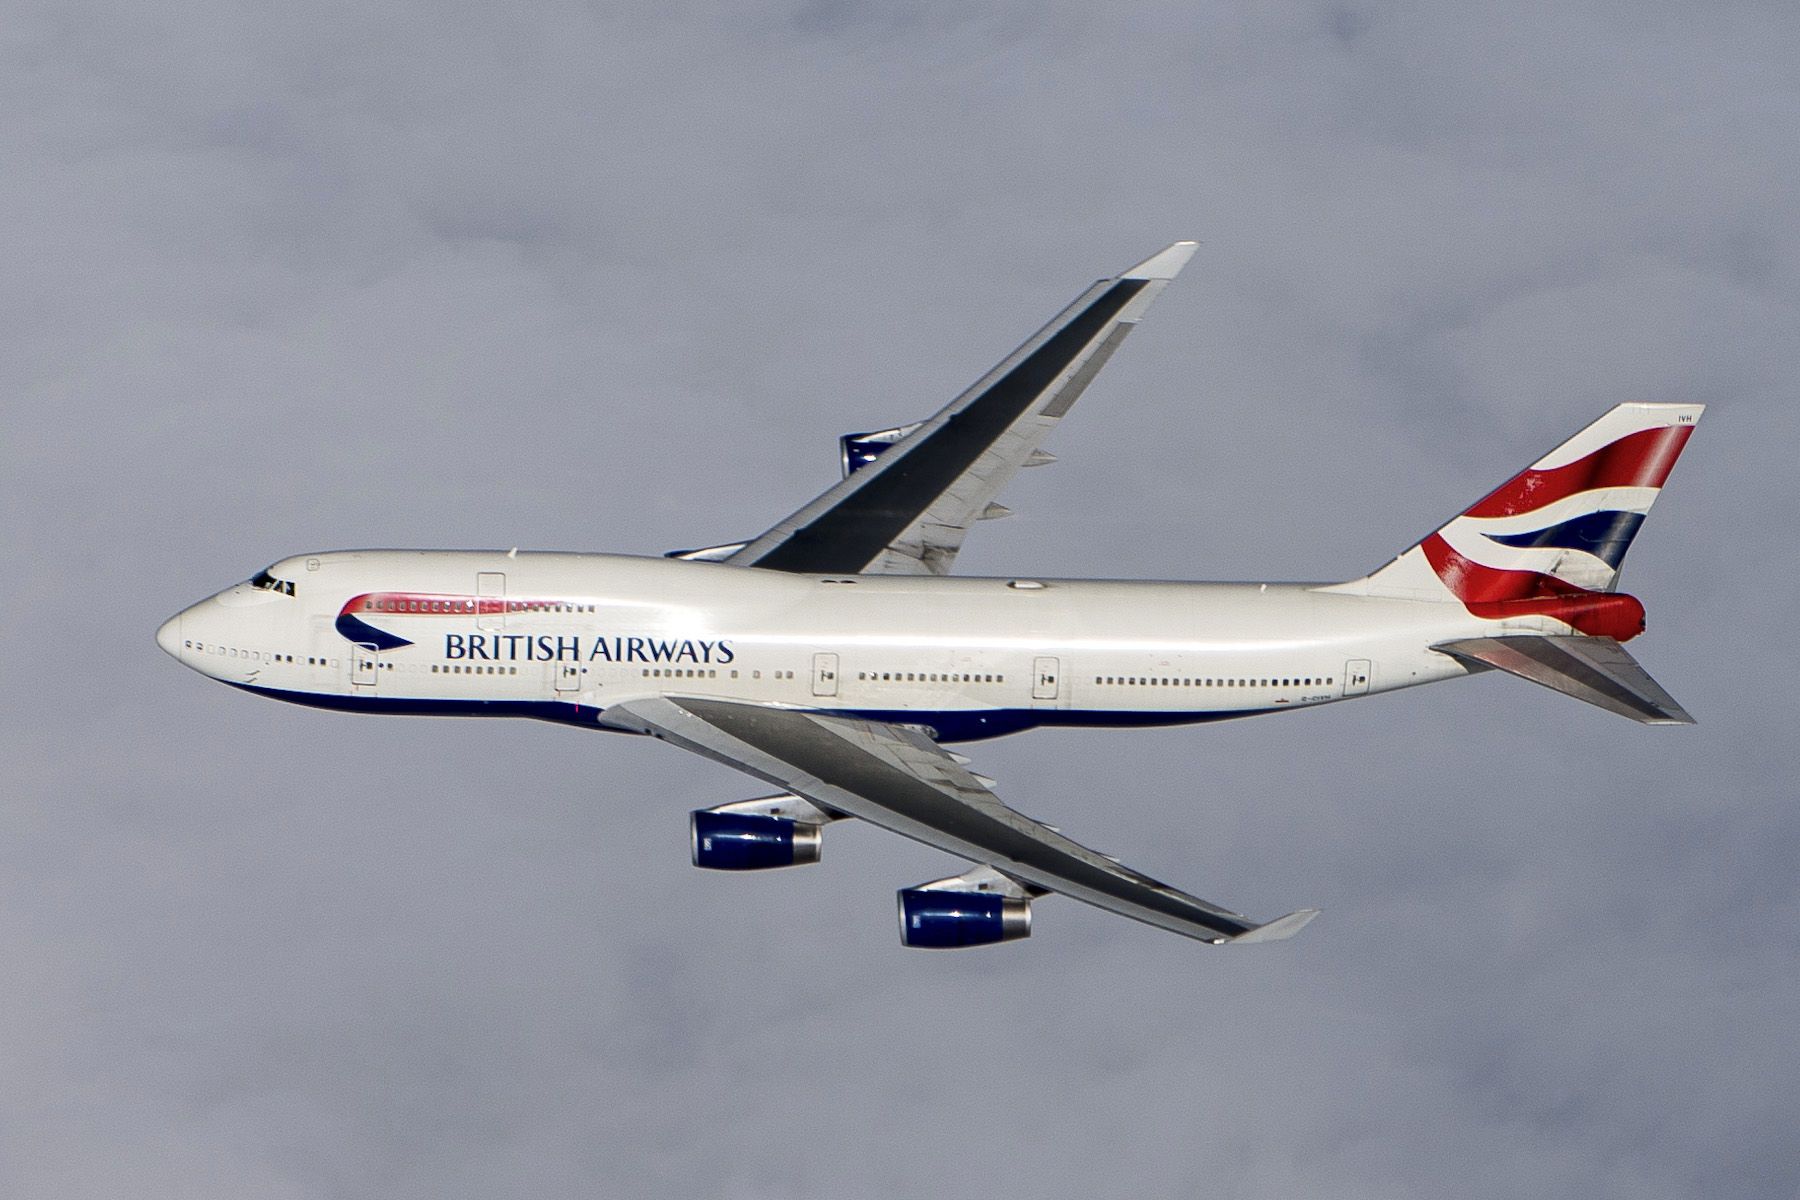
543, 647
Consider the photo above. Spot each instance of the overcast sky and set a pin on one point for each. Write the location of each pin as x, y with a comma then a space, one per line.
284, 278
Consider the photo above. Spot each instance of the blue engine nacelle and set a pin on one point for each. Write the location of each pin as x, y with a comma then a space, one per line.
858, 450
947, 920
728, 841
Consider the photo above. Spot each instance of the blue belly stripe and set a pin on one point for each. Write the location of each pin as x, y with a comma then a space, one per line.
955, 725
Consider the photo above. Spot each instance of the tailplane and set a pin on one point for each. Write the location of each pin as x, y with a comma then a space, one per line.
1548, 543
1595, 669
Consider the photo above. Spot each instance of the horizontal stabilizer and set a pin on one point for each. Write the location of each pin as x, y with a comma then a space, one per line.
1278, 930
1595, 669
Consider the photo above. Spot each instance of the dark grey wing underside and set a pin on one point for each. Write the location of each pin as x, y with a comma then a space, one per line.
898, 779
908, 512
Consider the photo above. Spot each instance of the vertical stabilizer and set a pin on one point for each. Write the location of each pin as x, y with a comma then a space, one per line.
1550, 540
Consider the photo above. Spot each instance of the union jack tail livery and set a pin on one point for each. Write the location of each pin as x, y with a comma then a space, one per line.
1542, 551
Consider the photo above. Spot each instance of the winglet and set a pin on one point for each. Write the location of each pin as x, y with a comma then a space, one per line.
1280, 929
1165, 264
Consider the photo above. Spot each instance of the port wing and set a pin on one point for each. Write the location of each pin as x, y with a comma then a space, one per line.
899, 779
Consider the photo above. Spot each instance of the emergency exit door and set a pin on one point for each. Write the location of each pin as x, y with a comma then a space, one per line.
1043, 678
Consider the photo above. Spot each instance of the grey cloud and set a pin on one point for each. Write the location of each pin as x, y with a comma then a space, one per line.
489, 276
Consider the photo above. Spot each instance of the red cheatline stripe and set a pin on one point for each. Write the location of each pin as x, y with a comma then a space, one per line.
1641, 459
444, 605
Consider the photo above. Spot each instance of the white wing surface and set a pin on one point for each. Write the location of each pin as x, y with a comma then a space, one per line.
898, 778
907, 512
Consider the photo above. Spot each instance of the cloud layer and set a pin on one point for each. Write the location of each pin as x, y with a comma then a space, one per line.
574, 278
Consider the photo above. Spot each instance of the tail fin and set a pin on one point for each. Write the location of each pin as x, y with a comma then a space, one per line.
1549, 541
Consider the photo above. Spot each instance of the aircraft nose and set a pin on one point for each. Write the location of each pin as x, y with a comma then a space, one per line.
168, 636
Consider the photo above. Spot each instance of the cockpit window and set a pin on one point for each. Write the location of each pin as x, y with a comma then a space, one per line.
269, 583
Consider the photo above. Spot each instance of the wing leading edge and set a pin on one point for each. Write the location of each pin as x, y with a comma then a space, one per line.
898, 779
908, 512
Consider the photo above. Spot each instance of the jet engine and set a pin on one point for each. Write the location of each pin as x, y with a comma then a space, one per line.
858, 450
756, 835
980, 908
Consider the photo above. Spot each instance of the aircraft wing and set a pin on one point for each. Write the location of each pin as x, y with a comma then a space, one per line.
907, 511
898, 778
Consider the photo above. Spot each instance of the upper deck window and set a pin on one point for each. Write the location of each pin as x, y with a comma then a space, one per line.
269, 583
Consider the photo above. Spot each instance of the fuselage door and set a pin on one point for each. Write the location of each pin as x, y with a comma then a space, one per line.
568, 678
490, 600
825, 674
365, 664
1043, 678
1356, 677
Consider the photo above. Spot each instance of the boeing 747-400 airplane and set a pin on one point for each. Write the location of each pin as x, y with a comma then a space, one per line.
834, 658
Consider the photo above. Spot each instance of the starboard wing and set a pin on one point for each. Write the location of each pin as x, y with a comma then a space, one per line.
908, 512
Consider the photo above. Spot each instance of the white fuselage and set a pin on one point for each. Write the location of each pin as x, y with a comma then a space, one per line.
563, 636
